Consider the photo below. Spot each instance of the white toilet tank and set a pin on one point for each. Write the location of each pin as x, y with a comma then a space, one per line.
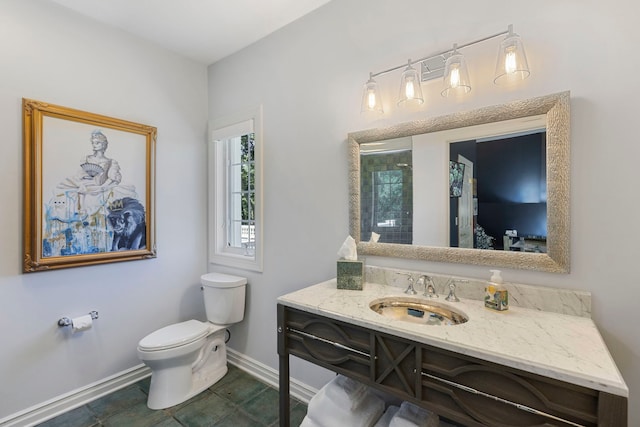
224, 297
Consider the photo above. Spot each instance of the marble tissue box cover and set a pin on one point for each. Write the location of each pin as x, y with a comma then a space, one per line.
555, 300
350, 275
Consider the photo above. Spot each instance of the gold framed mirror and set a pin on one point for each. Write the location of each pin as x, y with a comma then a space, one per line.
555, 110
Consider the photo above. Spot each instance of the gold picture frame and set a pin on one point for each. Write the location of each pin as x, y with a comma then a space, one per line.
83, 206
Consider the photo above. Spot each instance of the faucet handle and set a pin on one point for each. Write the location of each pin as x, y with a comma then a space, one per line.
410, 290
452, 293
452, 290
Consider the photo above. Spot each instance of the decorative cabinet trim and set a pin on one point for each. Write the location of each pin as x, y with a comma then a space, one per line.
337, 346
326, 341
395, 365
463, 384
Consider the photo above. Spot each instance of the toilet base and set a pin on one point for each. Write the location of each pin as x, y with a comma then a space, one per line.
204, 380
170, 387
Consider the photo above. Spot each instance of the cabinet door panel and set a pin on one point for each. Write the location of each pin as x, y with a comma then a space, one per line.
334, 345
499, 396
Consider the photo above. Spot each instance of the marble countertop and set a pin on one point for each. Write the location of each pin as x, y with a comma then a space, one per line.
560, 346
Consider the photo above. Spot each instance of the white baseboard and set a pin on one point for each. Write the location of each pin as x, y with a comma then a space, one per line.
66, 402
298, 389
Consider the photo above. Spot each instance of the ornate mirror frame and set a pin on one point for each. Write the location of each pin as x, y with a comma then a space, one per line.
557, 259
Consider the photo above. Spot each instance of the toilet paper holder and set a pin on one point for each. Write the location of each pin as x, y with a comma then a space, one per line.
66, 321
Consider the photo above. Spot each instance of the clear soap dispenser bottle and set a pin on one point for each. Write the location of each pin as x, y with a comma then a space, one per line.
496, 297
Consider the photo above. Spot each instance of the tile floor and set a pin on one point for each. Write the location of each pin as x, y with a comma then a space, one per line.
237, 400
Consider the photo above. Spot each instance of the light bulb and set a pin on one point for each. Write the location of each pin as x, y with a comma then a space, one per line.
455, 77
510, 61
410, 91
371, 100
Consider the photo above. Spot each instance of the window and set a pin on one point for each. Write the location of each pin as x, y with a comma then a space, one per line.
388, 198
235, 202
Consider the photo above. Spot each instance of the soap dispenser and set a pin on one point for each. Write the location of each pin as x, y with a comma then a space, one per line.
496, 297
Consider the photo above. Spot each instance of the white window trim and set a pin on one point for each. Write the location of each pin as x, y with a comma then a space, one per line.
217, 189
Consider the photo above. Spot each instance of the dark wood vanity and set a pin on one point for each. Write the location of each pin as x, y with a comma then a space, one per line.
461, 388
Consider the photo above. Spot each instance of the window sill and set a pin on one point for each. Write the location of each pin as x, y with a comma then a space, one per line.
252, 263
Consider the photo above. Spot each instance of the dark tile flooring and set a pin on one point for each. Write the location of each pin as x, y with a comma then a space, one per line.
237, 400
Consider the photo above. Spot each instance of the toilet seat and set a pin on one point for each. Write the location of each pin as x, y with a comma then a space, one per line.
175, 335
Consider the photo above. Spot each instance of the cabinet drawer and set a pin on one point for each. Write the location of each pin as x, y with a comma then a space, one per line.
482, 393
338, 346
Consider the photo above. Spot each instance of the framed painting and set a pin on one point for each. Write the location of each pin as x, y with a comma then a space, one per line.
89, 184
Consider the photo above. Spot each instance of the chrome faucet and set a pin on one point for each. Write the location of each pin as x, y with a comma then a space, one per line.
410, 290
429, 288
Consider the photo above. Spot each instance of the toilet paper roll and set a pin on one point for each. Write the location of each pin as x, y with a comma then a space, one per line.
81, 323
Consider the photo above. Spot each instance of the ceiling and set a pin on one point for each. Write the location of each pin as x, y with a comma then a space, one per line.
203, 30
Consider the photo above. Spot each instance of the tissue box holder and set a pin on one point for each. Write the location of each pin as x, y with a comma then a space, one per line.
350, 274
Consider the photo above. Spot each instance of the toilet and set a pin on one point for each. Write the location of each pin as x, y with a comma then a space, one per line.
188, 357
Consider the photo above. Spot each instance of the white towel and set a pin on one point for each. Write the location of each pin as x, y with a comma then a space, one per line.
326, 412
344, 389
308, 422
410, 415
385, 419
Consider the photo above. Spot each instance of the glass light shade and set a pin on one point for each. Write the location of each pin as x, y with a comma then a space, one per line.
371, 99
512, 61
410, 89
456, 75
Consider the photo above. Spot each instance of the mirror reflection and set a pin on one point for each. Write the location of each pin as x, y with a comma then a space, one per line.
491, 194
498, 193
386, 193
492, 181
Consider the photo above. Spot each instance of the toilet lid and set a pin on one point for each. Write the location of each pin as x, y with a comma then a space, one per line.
174, 335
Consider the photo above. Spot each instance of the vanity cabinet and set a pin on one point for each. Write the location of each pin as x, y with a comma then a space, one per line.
464, 389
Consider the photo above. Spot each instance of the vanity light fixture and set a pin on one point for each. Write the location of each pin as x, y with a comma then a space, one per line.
512, 61
371, 100
410, 88
456, 75
451, 65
